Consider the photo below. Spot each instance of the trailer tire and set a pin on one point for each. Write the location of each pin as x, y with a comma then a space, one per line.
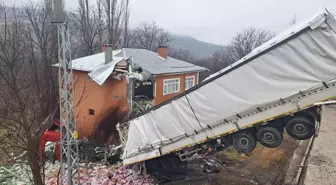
300, 128
269, 136
244, 142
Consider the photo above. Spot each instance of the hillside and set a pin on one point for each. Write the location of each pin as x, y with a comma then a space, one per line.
196, 47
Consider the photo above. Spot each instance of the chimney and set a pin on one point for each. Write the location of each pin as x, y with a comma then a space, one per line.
163, 51
104, 47
107, 49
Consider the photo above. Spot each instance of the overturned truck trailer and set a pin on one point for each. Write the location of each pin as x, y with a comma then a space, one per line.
271, 89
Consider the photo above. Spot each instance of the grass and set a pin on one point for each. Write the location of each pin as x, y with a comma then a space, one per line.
233, 155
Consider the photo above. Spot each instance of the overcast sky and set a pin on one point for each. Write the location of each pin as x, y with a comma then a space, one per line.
217, 21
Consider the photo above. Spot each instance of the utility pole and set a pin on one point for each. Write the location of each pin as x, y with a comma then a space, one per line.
68, 129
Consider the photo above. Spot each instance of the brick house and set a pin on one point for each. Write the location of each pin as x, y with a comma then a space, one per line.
165, 77
101, 87
102, 102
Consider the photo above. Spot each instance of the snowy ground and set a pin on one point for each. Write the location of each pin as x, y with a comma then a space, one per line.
90, 174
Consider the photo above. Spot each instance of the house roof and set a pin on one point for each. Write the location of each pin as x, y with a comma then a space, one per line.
92, 62
156, 65
150, 62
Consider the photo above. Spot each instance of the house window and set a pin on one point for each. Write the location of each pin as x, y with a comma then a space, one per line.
171, 86
189, 82
91, 112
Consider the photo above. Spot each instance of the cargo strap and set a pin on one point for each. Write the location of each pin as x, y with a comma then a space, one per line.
236, 124
194, 114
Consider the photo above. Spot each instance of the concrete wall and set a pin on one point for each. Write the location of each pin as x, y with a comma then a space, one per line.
159, 96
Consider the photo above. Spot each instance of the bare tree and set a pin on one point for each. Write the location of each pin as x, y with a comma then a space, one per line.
100, 19
20, 94
220, 59
87, 28
126, 31
247, 40
115, 11
149, 36
241, 45
43, 51
181, 54
105, 23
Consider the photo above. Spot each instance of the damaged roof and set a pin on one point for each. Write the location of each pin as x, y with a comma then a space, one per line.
156, 65
92, 62
149, 61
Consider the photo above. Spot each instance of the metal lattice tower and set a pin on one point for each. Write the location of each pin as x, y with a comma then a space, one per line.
69, 146
69, 135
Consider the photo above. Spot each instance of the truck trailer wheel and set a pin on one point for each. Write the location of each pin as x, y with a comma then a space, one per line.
244, 142
269, 136
300, 128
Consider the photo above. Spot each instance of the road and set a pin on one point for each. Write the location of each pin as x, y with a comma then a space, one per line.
322, 159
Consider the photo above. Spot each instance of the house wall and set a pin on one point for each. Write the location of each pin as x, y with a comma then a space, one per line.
159, 97
109, 103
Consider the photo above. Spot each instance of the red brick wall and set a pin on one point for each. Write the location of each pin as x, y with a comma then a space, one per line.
159, 97
104, 100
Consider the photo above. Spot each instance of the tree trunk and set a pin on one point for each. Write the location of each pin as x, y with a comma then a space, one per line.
126, 24
100, 19
34, 165
109, 26
113, 27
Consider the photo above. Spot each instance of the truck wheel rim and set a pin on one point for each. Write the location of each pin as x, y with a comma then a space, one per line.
243, 142
299, 129
268, 138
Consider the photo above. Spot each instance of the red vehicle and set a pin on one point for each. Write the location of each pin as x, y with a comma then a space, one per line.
53, 135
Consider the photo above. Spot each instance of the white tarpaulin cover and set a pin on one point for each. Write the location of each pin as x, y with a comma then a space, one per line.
298, 59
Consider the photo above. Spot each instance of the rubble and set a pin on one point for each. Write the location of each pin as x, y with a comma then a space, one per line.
90, 173
20, 174
97, 174
206, 162
141, 105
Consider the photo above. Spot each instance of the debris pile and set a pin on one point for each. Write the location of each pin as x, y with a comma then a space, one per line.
90, 152
15, 175
208, 164
105, 175
20, 173
123, 68
141, 105
92, 173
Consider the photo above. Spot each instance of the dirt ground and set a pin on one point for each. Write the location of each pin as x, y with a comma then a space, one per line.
264, 166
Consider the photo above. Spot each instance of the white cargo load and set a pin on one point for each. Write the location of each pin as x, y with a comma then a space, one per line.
290, 72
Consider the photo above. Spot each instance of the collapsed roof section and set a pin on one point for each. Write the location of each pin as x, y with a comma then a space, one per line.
99, 70
117, 67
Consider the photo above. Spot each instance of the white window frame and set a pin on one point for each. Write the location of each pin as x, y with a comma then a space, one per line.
197, 79
171, 79
154, 89
188, 78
